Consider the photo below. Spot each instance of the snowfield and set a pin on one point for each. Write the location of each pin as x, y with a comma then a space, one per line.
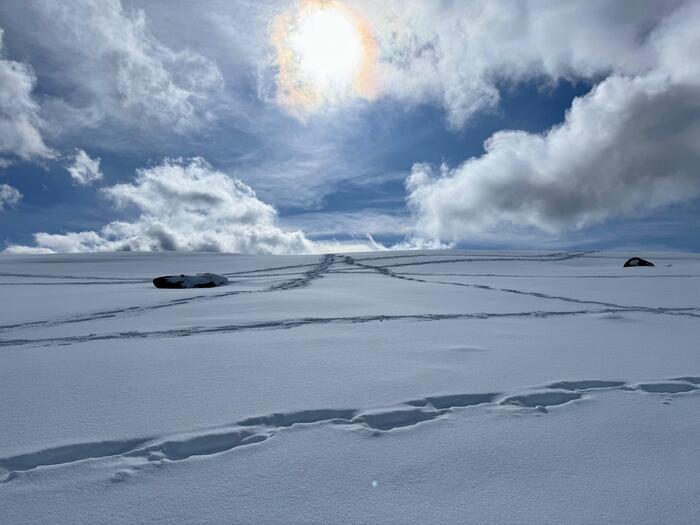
392, 387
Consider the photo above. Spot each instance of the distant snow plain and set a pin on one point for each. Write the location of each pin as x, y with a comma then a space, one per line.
392, 387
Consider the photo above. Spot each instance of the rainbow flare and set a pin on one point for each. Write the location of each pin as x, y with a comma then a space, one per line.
325, 54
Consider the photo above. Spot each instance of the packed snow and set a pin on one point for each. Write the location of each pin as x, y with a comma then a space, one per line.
387, 387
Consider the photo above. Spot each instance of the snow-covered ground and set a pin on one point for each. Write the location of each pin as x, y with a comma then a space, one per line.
401, 387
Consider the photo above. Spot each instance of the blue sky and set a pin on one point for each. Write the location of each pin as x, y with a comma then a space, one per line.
304, 126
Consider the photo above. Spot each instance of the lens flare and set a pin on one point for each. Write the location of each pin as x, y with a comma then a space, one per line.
325, 54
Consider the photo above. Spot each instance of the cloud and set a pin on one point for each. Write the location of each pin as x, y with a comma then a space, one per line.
107, 67
84, 170
186, 205
358, 223
324, 55
20, 123
9, 196
182, 205
462, 54
106, 62
631, 145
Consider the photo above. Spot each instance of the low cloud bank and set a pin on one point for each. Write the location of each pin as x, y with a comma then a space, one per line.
187, 205
182, 205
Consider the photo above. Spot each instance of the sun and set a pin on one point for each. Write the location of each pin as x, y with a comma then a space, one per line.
328, 46
325, 54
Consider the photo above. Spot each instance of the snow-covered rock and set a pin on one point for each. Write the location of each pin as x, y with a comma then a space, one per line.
200, 280
637, 261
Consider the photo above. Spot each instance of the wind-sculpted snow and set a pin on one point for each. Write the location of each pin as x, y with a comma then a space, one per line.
256, 429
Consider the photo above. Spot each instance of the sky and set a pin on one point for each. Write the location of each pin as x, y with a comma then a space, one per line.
311, 126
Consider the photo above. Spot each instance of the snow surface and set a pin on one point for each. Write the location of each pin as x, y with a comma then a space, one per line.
401, 387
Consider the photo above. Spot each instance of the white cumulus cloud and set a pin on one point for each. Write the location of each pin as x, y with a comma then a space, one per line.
20, 123
9, 196
632, 144
84, 170
182, 205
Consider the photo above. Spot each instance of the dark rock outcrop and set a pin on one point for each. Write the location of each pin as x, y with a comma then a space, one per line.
200, 280
637, 261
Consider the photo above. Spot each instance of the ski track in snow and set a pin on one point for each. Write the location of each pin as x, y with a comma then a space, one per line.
384, 270
316, 271
135, 454
285, 324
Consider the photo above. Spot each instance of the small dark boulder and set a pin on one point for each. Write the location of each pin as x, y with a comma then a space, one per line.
200, 280
637, 261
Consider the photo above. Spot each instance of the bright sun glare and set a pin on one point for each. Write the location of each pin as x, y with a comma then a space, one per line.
329, 47
325, 54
